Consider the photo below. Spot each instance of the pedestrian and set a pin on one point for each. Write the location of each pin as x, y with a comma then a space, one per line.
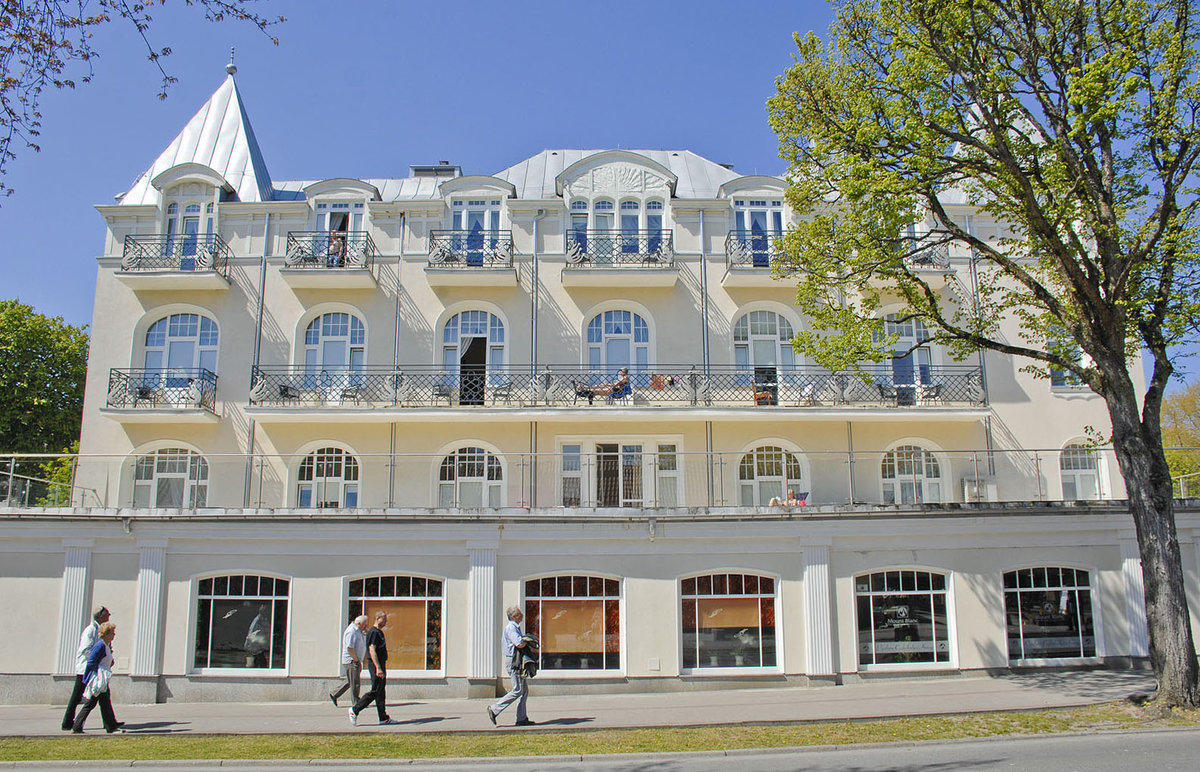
519, 693
354, 648
377, 664
97, 675
87, 640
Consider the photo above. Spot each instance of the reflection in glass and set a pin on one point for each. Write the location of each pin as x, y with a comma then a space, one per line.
577, 619
241, 622
901, 617
1049, 614
728, 621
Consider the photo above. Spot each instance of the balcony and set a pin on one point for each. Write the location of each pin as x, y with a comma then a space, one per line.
324, 260
935, 257
188, 262
471, 259
750, 257
757, 390
162, 396
615, 258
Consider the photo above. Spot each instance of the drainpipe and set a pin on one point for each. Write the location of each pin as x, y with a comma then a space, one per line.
533, 359
258, 326
983, 379
850, 458
708, 466
395, 368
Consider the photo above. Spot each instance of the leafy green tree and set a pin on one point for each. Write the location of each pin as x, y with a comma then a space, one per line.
43, 43
1071, 123
43, 362
1181, 436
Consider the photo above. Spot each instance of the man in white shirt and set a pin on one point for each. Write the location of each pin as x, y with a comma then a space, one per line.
520, 685
87, 640
354, 648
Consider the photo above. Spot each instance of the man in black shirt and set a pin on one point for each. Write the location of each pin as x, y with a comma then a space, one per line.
377, 664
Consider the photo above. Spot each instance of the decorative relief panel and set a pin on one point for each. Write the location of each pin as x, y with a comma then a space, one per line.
616, 179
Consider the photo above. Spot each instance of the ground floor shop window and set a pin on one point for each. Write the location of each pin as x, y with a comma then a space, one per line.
414, 608
728, 621
901, 617
241, 622
577, 619
1049, 612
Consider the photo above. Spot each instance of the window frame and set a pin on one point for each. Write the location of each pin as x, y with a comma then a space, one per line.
190, 484
366, 599
651, 468
194, 624
1093, 599
568, 673
322, 455
944, 478
950, 663
777, 612
455, 457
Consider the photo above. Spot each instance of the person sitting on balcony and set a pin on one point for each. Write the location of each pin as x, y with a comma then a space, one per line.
792, 500
337, 250
615, 390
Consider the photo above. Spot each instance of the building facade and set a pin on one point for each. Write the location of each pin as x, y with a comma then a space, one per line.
568, 386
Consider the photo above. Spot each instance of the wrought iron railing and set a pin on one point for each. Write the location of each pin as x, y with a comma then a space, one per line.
567, 385
617, 248
163, 388
158, 252
330, 249
471, 249
751, 249
935, 257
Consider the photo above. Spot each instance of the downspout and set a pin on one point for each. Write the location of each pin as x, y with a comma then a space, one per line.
395, 369
708, 447
533, 359
258, 326
983, 379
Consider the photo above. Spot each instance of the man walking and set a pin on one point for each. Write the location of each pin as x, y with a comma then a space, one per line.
354, 648
377, 664
519, 692
87, 640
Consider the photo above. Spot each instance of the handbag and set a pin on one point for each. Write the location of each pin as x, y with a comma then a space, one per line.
98, 684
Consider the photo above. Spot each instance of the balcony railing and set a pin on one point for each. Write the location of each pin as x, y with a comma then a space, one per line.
330, 249
163, 388
620, 249
565, 385
933, 257
471, 249
751, 249
157, 252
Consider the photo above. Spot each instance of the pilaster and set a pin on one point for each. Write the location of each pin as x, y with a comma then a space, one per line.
482, 633
147, 645
818, 615
77, 568
1135, 597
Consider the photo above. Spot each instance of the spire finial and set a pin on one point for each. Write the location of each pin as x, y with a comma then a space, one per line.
231, 68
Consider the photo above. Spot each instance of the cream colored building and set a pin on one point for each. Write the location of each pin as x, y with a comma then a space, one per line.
310, 398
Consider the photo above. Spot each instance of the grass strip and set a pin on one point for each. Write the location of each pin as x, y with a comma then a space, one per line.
1108, 716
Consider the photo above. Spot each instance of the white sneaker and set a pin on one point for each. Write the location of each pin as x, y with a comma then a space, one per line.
353, 718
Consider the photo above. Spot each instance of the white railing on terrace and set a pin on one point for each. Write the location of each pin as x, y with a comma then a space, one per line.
579, 477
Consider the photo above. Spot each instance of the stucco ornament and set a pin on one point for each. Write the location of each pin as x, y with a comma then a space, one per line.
204, 259
617, 179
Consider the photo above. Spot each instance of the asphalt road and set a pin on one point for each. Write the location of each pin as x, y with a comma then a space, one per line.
1160, 751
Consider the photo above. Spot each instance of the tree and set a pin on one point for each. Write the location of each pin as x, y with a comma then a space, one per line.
43, 362
1181, 435
41, 42
1073, 123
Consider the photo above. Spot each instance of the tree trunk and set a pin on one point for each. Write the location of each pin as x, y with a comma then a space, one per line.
1148, 485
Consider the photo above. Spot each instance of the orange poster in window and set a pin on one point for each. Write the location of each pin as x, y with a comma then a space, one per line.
405, 632
727, 612
572, 626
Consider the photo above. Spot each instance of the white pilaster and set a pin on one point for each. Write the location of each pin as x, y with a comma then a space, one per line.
482, 633
77, 566
1135, 597
148, 621
818, 616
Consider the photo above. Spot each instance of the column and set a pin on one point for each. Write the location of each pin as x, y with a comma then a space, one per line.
1135, 596
482, 632
818, 614
147, 644
77, 566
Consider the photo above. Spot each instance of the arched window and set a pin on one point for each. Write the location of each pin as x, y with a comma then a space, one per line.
762, 352
241, 622
911, 475
414, 608
1079, 468
170, 477
180, 352
728, 621
617, 339
327, 478
470, 478
577, 619
473, 351
768, 472
1049, 613
335, 348
901, 617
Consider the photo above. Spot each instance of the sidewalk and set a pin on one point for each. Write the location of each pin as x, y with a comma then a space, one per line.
873, 699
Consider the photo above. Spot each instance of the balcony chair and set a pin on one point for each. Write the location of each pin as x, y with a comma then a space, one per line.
443, 391
502, 391
145, 393
288, 393
351, 392
622, 396
887, 393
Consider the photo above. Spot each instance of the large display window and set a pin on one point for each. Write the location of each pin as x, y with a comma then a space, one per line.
1049, 613
901, 617
241, 622
728, 621
414, 608
577, 619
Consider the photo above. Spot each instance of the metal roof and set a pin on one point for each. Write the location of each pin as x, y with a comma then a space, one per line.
698, 177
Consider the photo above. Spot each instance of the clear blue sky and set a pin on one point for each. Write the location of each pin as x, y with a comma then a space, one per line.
363, 89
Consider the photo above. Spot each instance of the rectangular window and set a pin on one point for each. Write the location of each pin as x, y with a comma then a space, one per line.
572, 483
1049, 614
577, 620
728, 621
414, 608
901, 618
241, 622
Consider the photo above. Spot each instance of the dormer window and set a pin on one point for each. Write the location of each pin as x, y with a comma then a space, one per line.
758, 216
475, 215
183, 231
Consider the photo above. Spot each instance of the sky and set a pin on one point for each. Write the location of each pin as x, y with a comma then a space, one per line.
364, 89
